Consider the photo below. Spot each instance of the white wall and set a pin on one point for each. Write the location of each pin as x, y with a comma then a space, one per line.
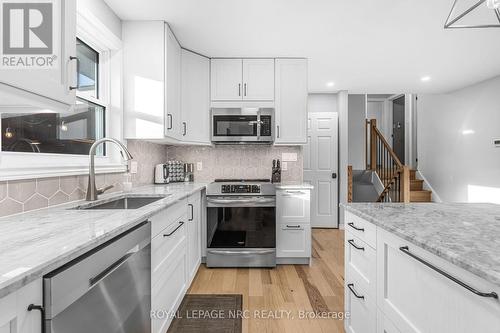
322, 103
455, 150
103, 13
343, 111
356, 131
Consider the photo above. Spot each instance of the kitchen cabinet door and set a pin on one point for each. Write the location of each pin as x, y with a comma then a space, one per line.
293, 240
29, 321
291, 101
52, 83
173, 121
195, 103
226, 79
417, 298
293, 206
193, 235
8, 314
258, 79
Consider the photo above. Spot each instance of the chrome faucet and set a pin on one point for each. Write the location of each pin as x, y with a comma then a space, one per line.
92, 191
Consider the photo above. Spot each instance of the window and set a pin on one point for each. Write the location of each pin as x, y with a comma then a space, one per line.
62, 133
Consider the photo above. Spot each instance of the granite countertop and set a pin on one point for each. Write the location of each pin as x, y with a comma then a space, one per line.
467, 235
35, 243
293, 186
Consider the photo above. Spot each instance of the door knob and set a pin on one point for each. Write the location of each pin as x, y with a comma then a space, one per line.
334, 175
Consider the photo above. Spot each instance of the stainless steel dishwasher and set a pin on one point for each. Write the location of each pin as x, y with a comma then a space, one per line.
107, 290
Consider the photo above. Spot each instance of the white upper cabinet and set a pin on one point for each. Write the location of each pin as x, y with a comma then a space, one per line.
242, 79
291, 101
151, 81
173, 85
258, 79
53, 83
226, 80
195, 101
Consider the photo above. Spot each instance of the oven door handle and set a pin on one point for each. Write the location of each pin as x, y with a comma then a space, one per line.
236, 253
240, 201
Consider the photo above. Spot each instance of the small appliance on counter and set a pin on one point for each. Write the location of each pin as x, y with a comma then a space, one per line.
276, 172
170, 172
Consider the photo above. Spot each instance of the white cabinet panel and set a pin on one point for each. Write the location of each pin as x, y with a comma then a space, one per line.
416, 298
384, 325
361, 307
52, 83
293, 206
173, 85
8, 314
193, 235
293, 241
361, 260
14, 314
195, 102
258, 79
291, 101
361, 228
226, 79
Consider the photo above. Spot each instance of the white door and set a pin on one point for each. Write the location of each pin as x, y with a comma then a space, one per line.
258, 79
52, 83
195, 103
291, 101
320, 168
226, 79
173, 85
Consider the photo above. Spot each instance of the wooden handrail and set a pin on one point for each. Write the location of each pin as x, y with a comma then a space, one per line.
349, 183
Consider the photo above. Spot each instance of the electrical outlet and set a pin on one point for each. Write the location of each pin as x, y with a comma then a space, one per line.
133, 167
199, 166
284, 166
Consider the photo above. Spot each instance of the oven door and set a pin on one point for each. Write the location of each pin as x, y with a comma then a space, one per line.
241, 232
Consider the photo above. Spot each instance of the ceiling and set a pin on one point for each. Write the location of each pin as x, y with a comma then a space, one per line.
363, 46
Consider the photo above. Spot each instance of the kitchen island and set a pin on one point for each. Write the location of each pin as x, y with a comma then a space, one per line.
422, 267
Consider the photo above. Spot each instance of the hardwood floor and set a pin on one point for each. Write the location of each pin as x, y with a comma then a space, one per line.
317, 288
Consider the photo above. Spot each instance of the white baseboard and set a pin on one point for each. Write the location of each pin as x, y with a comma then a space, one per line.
427, 186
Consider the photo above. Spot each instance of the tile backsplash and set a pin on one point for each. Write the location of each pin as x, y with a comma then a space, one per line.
237, 161
29, 194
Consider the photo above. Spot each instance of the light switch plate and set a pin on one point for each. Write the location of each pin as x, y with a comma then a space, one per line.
199, 166
133, 167
289, 157
284, 166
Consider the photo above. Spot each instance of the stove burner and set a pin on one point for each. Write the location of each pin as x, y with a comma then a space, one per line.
242, 181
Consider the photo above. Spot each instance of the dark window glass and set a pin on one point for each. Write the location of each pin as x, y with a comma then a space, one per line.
55, 133
88, 69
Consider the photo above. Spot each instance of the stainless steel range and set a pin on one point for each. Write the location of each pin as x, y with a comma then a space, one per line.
241, 223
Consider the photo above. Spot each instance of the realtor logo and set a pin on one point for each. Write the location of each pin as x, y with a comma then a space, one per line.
28, 34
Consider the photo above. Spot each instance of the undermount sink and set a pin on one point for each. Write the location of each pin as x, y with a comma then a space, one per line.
128, 202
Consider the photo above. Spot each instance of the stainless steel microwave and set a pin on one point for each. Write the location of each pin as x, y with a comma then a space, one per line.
242, 125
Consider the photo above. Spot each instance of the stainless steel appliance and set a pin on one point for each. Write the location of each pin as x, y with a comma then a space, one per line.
105, 291
162, 174
242, 125
241, 223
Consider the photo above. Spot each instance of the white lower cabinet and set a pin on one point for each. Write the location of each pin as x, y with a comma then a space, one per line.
14, 314
193, 235
393, 286
293, 241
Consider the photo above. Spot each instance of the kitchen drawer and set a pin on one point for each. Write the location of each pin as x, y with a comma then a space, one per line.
362, 229
167, 295
164, 218
293, 240
384, 325
164, 245
362, 308
361, 259
293, 206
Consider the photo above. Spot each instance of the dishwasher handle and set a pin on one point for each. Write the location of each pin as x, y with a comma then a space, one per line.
113, 267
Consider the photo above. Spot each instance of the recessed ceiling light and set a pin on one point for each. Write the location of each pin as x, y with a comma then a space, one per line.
425, 78
330, 84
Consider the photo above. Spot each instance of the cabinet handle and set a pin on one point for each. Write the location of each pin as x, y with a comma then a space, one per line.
351, 241
293, 226
173, 231
40, 308
278, 131
354, 227
170, 123
351, 288
245, 89
77, 73
406, 251
239, 89
184, 124
192, 212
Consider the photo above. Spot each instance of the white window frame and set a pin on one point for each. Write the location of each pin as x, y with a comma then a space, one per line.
17, 165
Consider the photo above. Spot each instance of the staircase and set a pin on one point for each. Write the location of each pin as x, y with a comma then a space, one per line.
399, 181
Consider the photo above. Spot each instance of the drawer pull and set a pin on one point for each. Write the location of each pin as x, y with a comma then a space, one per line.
40, 308
192, 212
351, 241
354, 227
293, 226
406, 251
351, 288
173, 231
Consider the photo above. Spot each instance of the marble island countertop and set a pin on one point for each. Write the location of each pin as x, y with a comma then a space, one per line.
35, 243
467, 235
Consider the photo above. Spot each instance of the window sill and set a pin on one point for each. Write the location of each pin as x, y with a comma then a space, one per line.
45, 172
